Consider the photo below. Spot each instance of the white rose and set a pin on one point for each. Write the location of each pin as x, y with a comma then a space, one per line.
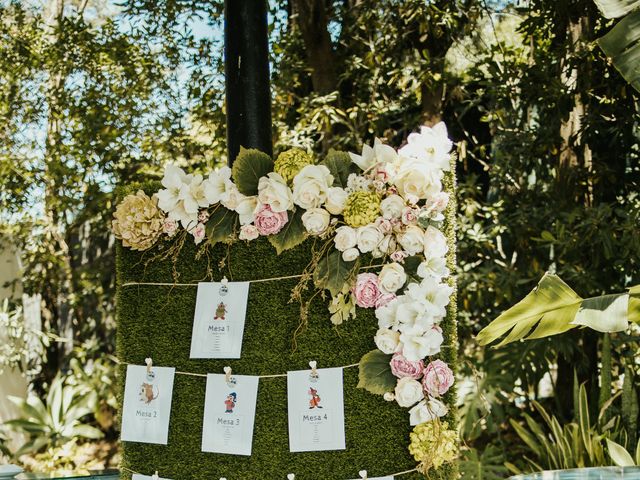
417, 179
346, 237
249, 232
392, 206
412, 239
336, 199
387, 340
435, 243
316, 220
391, 277
245, 209
310, 186
273, 191
350, 254
426, 411
368, 238
408, 392
417, 344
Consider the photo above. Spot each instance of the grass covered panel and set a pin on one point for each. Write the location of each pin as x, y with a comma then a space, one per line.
156, 321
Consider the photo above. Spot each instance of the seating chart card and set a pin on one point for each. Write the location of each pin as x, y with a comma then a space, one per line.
316, 410
218, 323
229, 414
147, 404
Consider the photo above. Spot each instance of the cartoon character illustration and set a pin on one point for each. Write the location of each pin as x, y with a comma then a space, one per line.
315, 399
230, 402
146, 393
221, 311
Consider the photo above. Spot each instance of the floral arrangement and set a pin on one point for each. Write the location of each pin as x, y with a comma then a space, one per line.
383, 206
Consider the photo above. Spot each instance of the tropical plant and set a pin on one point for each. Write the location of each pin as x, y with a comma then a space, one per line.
621, 456
622, 43
21, 345
59, 419
553, 308
577, 444
485, 465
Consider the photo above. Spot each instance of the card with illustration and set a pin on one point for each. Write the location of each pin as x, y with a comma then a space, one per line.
218, 322
229, 414
316, 410
137, 476
147, 404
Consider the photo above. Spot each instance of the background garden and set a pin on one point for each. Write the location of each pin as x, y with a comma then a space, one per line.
96, 94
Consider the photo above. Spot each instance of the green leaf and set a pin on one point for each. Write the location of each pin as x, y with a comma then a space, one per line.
622, 45
291, 235
221, 225
619, 454
550, 308
607, 313
340, 166
616, 8
250, 165
86, 431
375, 373
333, 272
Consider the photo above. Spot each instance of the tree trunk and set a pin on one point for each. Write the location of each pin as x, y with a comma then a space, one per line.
313, 21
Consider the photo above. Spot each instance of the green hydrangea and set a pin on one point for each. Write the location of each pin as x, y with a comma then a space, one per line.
432, 444
290, 162
361, 208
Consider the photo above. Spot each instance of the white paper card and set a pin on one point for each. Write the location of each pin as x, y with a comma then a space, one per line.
316, 410
229, 414
218, 322
390, 477
137, 476
147, 404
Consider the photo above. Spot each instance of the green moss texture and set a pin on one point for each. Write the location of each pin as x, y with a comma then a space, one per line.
156, 321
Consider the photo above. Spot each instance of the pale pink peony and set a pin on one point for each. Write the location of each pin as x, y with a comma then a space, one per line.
384, 298
269, 222
366, 290
249, 232
170, 227
410, 216
401, 367
437, 379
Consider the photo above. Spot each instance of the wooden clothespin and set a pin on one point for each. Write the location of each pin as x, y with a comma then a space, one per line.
155, 476
227, 376
363, 474
314, 371
291, 476
149, 363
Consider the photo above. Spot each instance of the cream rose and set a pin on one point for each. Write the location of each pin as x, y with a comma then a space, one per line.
316, 220
350, 254
368, 238
412, 240
310, 186
408, 392
391, 277
417, 179
336, 199
392, 206
387, 341
346, 237
273, 191
435, 243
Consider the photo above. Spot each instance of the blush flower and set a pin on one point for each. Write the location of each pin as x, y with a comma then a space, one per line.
438, 378
401, 367
269, 222
366, 290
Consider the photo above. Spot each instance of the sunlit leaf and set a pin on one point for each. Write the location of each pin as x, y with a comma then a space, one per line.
616, 8
607, 313
375, 374
619, 455
622, 45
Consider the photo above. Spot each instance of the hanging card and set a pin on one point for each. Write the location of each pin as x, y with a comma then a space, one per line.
229, 414
390, 477
218, 323
147, 404
316, 410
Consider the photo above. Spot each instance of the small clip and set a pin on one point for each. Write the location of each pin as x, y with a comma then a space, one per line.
363, 474
155, 475
228, 378
291, 476
223, 478
150, 374
224, 286
313, 377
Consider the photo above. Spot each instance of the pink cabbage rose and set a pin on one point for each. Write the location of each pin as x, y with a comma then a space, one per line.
401, 367
366, 290
269, 222
437, 379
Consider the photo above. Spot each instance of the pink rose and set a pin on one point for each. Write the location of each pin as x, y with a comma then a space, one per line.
269, 222
198, 233
437, 202
170, 227
401, 367
366, 290
437, 379
398, 256
410, 216
383, 225
249, 232
384, 298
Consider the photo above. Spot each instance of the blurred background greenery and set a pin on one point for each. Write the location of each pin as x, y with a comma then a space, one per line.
99, 93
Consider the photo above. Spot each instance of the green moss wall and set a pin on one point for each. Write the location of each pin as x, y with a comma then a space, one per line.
156, 321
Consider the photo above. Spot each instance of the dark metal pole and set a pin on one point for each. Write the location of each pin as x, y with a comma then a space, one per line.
248, 94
